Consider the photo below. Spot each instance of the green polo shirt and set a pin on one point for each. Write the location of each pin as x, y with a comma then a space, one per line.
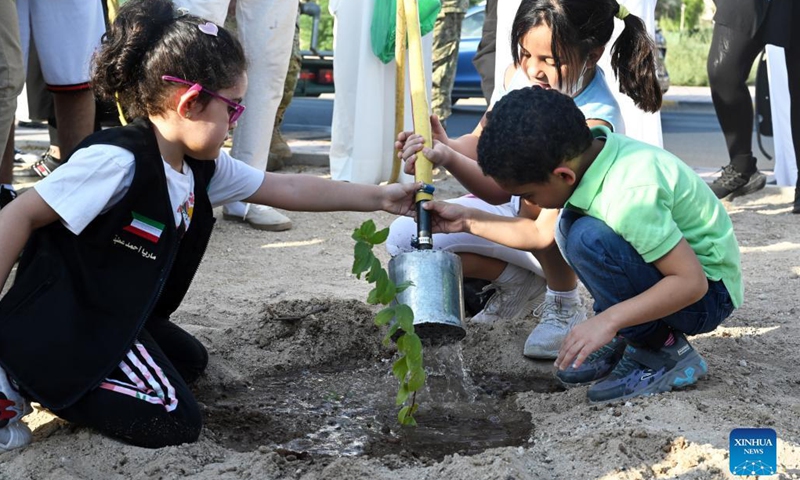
652, 199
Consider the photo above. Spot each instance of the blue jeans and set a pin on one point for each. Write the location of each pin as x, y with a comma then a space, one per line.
613, 271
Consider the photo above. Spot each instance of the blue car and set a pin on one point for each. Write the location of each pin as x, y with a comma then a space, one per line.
468, 83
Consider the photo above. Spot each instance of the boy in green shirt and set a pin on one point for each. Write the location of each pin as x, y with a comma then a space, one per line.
644, 233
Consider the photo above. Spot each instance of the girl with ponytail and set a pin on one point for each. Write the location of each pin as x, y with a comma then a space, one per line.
556, 44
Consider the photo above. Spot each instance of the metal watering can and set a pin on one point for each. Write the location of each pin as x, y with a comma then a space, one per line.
437, 297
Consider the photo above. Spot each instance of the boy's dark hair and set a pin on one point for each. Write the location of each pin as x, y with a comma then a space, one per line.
529, 133
579, 26
150, 38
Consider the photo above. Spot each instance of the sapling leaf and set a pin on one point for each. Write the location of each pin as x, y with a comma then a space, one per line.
372, 297
416, 380
413, 348
368, 230
403, 415
375, 270
363, 258
400, 369
388, 294
403, 285
404, 317
393, 328
379, 237
402, 395
384, 316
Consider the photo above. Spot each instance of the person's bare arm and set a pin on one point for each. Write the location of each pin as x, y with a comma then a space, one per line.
313, 194
515, 232
18, 220
684, 283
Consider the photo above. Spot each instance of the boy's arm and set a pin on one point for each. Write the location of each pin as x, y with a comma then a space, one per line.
17, 221
684, 283
313, 194
515, 232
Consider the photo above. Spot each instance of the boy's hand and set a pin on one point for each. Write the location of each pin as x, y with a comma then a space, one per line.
398, 198
583, 340
447, 217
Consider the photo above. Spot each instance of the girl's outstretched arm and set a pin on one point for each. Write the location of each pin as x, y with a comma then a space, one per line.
313, 194
17, 221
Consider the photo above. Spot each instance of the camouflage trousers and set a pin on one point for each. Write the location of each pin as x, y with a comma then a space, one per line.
289, 85
446, 34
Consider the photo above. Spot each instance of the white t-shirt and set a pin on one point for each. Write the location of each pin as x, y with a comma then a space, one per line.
97, 177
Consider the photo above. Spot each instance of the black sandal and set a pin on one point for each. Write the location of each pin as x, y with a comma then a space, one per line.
45, 165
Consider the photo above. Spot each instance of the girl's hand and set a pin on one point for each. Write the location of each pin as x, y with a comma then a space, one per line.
409, 143
439, 155
398, 198
447, 217
583, 340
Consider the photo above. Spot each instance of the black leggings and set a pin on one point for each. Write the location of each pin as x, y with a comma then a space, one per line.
730, 59
171, 416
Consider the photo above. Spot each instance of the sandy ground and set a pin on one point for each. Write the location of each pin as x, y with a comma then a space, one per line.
280, 314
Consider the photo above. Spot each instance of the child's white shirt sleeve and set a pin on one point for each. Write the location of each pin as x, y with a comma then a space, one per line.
233, 180
94, 179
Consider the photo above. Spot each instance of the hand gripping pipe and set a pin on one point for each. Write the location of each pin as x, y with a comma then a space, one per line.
422, 124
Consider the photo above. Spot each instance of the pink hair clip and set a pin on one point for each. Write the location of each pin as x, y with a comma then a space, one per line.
209, 28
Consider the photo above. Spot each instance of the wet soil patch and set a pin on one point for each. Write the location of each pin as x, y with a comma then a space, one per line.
343, 402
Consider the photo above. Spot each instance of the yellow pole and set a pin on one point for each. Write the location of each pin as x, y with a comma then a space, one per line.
419, 98
400, 83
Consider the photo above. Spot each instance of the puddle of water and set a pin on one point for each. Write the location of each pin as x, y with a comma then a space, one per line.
352, 412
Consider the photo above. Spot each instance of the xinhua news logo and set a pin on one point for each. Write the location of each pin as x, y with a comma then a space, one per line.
753, 451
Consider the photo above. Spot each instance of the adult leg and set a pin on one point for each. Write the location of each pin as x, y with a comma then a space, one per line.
793, 72
266, 29
446, 35
65, 43
144, 402
730, 58
485, 54
12, 78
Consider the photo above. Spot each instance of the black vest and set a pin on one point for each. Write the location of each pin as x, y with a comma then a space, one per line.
79, 301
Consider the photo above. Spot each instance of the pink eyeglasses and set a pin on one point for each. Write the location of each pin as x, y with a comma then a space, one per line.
235, 110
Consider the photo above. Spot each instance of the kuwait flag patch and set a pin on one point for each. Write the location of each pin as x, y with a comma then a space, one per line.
144, 227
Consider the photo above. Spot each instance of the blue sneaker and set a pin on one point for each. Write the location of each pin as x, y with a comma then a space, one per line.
642, 371
596, 366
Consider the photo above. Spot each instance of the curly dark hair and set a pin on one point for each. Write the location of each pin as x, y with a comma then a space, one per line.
529, 133
150, 38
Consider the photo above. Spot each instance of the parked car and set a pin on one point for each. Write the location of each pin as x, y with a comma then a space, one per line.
468, 83
316, 69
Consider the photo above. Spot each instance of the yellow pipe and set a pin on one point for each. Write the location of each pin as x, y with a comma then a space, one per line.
400, 84
419, 98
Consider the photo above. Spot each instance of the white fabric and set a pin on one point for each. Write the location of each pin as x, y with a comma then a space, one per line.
780, 106
266, 29
362, 133
66, 34
97, 177
506, 11
641, 125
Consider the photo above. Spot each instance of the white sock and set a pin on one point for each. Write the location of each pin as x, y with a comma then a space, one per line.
571, 295
510, 273
7, 186
238, 209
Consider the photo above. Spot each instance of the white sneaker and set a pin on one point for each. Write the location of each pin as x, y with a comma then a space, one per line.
259, 217
512, 300
13, 406
557, 318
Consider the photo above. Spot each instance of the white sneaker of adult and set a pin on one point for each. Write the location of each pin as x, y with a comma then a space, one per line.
512, 299
259, 217
558, 316
13, 406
